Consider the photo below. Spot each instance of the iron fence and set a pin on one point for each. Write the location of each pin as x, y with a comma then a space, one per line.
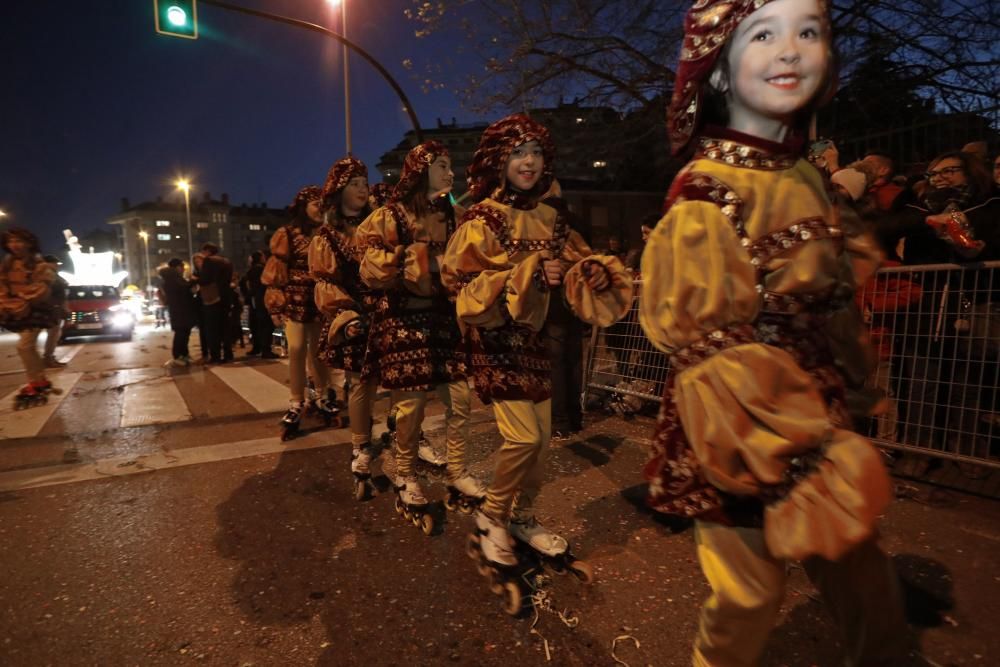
936, 331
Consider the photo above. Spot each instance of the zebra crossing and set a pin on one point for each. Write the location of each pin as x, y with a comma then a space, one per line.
147, 396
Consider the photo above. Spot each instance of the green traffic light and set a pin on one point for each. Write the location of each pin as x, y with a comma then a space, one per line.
177, 16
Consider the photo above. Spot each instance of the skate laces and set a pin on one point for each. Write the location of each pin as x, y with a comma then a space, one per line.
535, 533
412, 487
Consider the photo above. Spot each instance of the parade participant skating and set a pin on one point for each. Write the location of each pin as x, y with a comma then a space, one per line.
415, 332
510, 256
748, 281
26, 308
292, 301
347, 304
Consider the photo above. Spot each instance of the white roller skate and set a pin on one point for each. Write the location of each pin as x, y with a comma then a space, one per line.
465, 493
430, 463
327, 409
361, 461
551, 550
493, 550
412, 505
293, 417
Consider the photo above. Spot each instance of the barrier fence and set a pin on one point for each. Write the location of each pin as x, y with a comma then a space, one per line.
936, 331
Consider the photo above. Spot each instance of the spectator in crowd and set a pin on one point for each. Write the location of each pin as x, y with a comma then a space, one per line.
57, 297
996, 174
883, 188
214, 282
261, 327
180, 302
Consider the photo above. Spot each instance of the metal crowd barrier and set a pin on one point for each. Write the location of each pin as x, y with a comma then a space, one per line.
936, 330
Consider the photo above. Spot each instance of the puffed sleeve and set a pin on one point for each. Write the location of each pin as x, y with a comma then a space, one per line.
331, 299
39, 288
381, 253
279, 244
491, 289
602, 308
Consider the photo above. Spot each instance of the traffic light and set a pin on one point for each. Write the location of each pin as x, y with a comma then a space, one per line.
177, 18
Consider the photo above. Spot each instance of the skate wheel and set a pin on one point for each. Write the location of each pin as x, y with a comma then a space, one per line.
359, 491
427, 524
472, 547
583, 571
465, 509
483, 568
511, 599
400, 509
415, 519
449, 504
496, 583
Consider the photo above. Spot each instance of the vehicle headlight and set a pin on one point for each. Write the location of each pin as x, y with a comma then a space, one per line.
121, 320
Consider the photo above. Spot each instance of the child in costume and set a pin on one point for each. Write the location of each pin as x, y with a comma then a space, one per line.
291, 299
415, 332
25, 306
346, 302
748, 283
508, 259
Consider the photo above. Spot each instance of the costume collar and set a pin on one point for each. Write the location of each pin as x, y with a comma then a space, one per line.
515, 198
745, 150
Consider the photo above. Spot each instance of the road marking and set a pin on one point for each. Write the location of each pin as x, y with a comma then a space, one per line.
257, 389
153, 401
27, 423
71, 352
122, 466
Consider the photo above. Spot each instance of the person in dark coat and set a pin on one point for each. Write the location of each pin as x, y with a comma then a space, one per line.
181, 305
261, 326
215, 285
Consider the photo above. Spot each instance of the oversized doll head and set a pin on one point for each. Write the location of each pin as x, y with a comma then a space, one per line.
515, 153
757, 66
305, 208
345, 192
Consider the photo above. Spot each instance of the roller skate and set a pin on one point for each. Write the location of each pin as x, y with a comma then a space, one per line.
412, 505
33, 394
550, 550
361, 463
430, 463
465, 493
292, 419
492, 548
327, 409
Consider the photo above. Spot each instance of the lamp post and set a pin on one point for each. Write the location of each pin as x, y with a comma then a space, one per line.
185, 185
144, 235
347, 71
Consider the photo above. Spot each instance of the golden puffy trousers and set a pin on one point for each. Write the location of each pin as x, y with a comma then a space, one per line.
526, 428
409, 408
861, 592
360, 400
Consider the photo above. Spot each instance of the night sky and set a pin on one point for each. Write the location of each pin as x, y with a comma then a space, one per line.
97, 106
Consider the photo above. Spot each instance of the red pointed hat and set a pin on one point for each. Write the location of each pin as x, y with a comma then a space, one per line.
340, 174
708, 26
487, 171
417, 162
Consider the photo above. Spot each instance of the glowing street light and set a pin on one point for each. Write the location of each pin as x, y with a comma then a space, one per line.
185, 185
144, 235
347, 71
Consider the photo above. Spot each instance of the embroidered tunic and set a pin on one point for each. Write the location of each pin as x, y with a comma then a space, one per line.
494, 265
299, 303
413, 329
748, 286
342, 298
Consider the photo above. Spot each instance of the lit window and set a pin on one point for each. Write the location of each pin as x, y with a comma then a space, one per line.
162, 223
202, 225
600, 164
163, 237
254, 228
579, 120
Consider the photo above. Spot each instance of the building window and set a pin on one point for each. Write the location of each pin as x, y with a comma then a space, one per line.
162, 223
600, 164
254, 227
202, 225
163, 237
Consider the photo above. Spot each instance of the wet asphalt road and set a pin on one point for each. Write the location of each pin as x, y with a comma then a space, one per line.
268, 560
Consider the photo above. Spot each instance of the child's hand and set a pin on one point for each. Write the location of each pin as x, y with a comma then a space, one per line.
597, 277
554, 272
354, 329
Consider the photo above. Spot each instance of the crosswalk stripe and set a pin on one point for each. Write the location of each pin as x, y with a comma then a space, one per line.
153, 401
257, 389
27, 423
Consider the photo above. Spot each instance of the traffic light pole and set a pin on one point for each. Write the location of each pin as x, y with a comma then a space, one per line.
340, 38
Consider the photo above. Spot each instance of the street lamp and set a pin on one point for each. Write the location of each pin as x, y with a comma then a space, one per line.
185, 185
144, 235
347, 72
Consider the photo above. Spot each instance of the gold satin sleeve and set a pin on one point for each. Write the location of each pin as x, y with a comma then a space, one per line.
322, 260
337, 332
417, 266
279, 244
489, 287
602, 308
381, 254
39, 288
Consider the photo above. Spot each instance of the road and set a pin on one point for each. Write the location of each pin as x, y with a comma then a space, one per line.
151, 516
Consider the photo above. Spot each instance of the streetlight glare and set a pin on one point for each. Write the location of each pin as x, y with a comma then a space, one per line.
144, 235
333, 3
184, 184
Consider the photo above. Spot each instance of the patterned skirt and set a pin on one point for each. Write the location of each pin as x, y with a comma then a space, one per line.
416, 350
509, 363
357, 355
677, 484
